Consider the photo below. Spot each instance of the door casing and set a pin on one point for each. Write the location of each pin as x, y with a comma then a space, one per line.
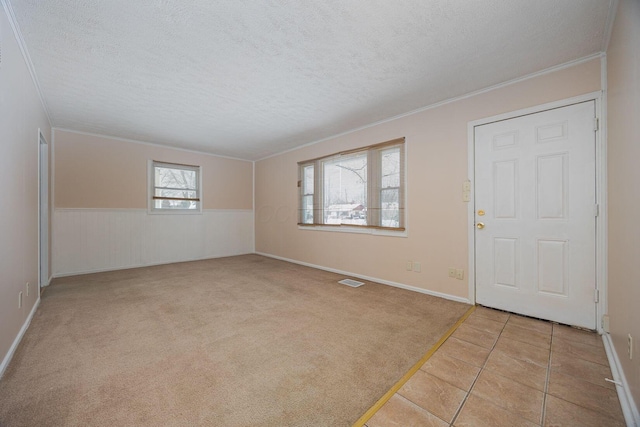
601, 173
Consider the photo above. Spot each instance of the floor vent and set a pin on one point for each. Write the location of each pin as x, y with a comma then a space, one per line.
352, 283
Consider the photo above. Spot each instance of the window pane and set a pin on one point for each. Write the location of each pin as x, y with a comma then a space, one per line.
390, 207
175, 204
175, 178
390, 165
308, 180
345, 190
307, 209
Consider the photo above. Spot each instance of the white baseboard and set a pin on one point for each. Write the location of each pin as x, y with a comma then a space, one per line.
129, 267
372, 279
629, 408
16, 342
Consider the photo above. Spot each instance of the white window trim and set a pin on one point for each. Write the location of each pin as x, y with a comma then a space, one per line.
151, 191
355, 229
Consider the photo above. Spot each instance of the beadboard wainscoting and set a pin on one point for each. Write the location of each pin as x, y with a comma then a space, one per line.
91, 240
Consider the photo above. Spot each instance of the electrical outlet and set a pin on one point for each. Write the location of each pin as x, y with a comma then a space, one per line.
20, 300
417, 267
630, 346
459, 274
27, 286
409, 266
452, 272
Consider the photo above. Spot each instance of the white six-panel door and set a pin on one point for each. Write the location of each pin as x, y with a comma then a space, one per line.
535, 215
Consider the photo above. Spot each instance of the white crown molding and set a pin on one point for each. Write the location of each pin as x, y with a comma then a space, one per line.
153, 144
144, 210
447, 101
8, 9
608, 28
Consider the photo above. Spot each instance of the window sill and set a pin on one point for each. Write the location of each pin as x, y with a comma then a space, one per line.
175, 212
356, 230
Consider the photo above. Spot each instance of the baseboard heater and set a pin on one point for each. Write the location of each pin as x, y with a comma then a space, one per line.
351, 282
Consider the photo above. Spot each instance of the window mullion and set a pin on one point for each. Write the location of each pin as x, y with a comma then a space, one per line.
318, 194
373, 185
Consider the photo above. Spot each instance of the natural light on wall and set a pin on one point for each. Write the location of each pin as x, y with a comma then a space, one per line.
360, 188
175, 188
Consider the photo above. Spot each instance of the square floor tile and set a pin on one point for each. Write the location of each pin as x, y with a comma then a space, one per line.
400, 412
577, 335
475, 336
484, 324
530, 323
465, 351
478, 412
589, 371
585, 394
523, 351
529, 336
579, 350
560, 413
433, 394
521, 371
523, 401
452, 370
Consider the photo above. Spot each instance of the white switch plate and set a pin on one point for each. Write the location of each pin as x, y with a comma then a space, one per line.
20, 300
459, 274
417, 267
452, 272
630, 344
27, 286
409, 266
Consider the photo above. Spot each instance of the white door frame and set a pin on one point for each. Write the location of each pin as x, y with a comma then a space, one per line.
601, 194
43, 220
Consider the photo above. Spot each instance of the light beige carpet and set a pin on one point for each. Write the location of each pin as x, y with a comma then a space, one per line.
239, 341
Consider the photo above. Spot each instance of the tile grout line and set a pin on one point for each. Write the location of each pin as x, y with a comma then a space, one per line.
417, 406
457, 413
546, 383
599, 411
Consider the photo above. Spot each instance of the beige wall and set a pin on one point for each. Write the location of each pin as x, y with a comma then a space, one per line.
623, 80
21, 114
436, 142
101, 172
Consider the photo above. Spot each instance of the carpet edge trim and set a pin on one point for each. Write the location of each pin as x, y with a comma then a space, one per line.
385, 398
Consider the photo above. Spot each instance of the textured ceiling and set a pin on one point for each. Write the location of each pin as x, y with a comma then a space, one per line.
249, 79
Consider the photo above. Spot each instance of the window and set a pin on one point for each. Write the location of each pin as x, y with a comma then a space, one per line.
306, 202
361, 188
174, 188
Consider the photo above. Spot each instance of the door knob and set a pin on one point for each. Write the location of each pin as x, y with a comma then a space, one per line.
480, 225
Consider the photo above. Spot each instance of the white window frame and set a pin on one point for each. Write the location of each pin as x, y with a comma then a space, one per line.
348, 228
151, 209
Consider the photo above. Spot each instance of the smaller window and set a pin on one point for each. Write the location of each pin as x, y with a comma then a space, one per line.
174, 188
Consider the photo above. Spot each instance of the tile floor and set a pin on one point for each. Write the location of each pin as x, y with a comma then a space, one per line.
500, 369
